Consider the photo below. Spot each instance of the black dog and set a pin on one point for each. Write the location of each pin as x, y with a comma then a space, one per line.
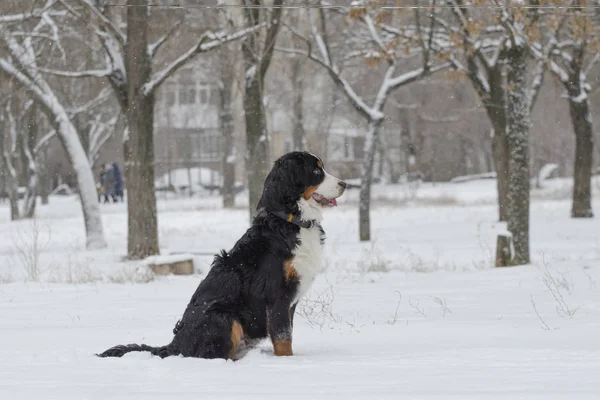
251, 292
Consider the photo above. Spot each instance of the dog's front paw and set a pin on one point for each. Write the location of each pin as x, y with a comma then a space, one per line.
282, 348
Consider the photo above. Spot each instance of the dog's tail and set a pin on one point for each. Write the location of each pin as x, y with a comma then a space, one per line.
119, 351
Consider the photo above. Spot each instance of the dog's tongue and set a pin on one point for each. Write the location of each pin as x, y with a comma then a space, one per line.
332, 202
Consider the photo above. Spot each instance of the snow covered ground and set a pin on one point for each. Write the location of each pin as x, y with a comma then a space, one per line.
419, 313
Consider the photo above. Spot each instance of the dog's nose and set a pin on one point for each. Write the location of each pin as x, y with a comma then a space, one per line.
342, 184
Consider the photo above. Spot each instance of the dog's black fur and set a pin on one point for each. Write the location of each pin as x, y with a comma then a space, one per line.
247, 293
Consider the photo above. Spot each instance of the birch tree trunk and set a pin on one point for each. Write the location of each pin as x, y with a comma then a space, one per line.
10, 175
364, 211
27, 145
141, 198
518, 113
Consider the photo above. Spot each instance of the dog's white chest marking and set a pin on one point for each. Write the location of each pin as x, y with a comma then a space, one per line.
307, 259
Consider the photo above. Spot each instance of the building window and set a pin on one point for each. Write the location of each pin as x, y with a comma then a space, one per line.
187, 94
211, 146
171, 94
204, 95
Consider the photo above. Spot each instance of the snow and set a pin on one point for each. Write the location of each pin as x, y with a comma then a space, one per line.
580, 98
417, 313
546, 171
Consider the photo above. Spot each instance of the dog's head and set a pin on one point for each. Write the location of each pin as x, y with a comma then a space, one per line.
298, 183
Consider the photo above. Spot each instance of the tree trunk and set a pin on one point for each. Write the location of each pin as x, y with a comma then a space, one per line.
257, 59
298, 132
518, 112
584, 149
257, 142
364, 217
503, 251
496, 110
227, 127
141, 198
10, 175
27, 144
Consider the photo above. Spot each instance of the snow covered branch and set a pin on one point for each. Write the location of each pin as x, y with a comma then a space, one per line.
104, 21
154, 47
35, 13
100, 73
20, 63
208, 41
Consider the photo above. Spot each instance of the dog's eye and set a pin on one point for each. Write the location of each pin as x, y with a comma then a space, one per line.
317, 171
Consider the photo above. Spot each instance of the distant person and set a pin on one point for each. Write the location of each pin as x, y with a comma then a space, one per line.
118, 181
109, 183
101, 191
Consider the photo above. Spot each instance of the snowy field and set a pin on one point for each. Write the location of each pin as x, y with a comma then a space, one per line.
419, 313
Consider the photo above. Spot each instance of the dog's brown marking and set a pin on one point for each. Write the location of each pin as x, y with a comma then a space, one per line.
319, 164
236, 336
282, 347
290, 217
309, 192
289, 272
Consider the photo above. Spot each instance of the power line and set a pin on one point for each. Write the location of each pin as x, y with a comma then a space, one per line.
377, 7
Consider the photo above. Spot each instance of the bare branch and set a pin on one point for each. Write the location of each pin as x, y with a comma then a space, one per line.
76, 74
154, 47
105, 21
272, 31
35, 13
208, 41
592, 63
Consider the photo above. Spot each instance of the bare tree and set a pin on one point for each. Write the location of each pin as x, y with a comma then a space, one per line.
571, 64
517, 22
257, 52
20, 62
382, 50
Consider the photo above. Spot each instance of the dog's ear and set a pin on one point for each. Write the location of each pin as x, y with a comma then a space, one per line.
282, 187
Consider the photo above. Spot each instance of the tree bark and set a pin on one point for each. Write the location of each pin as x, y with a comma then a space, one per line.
27, 145
227, 127
298, 132
141, 198
367, 179
495, 106
581, 119
584, 149
10, 175
519, 121
257, 142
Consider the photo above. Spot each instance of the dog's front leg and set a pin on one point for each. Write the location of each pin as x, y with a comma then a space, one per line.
280, 327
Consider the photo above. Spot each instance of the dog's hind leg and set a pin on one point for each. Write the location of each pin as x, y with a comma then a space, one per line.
224, 342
